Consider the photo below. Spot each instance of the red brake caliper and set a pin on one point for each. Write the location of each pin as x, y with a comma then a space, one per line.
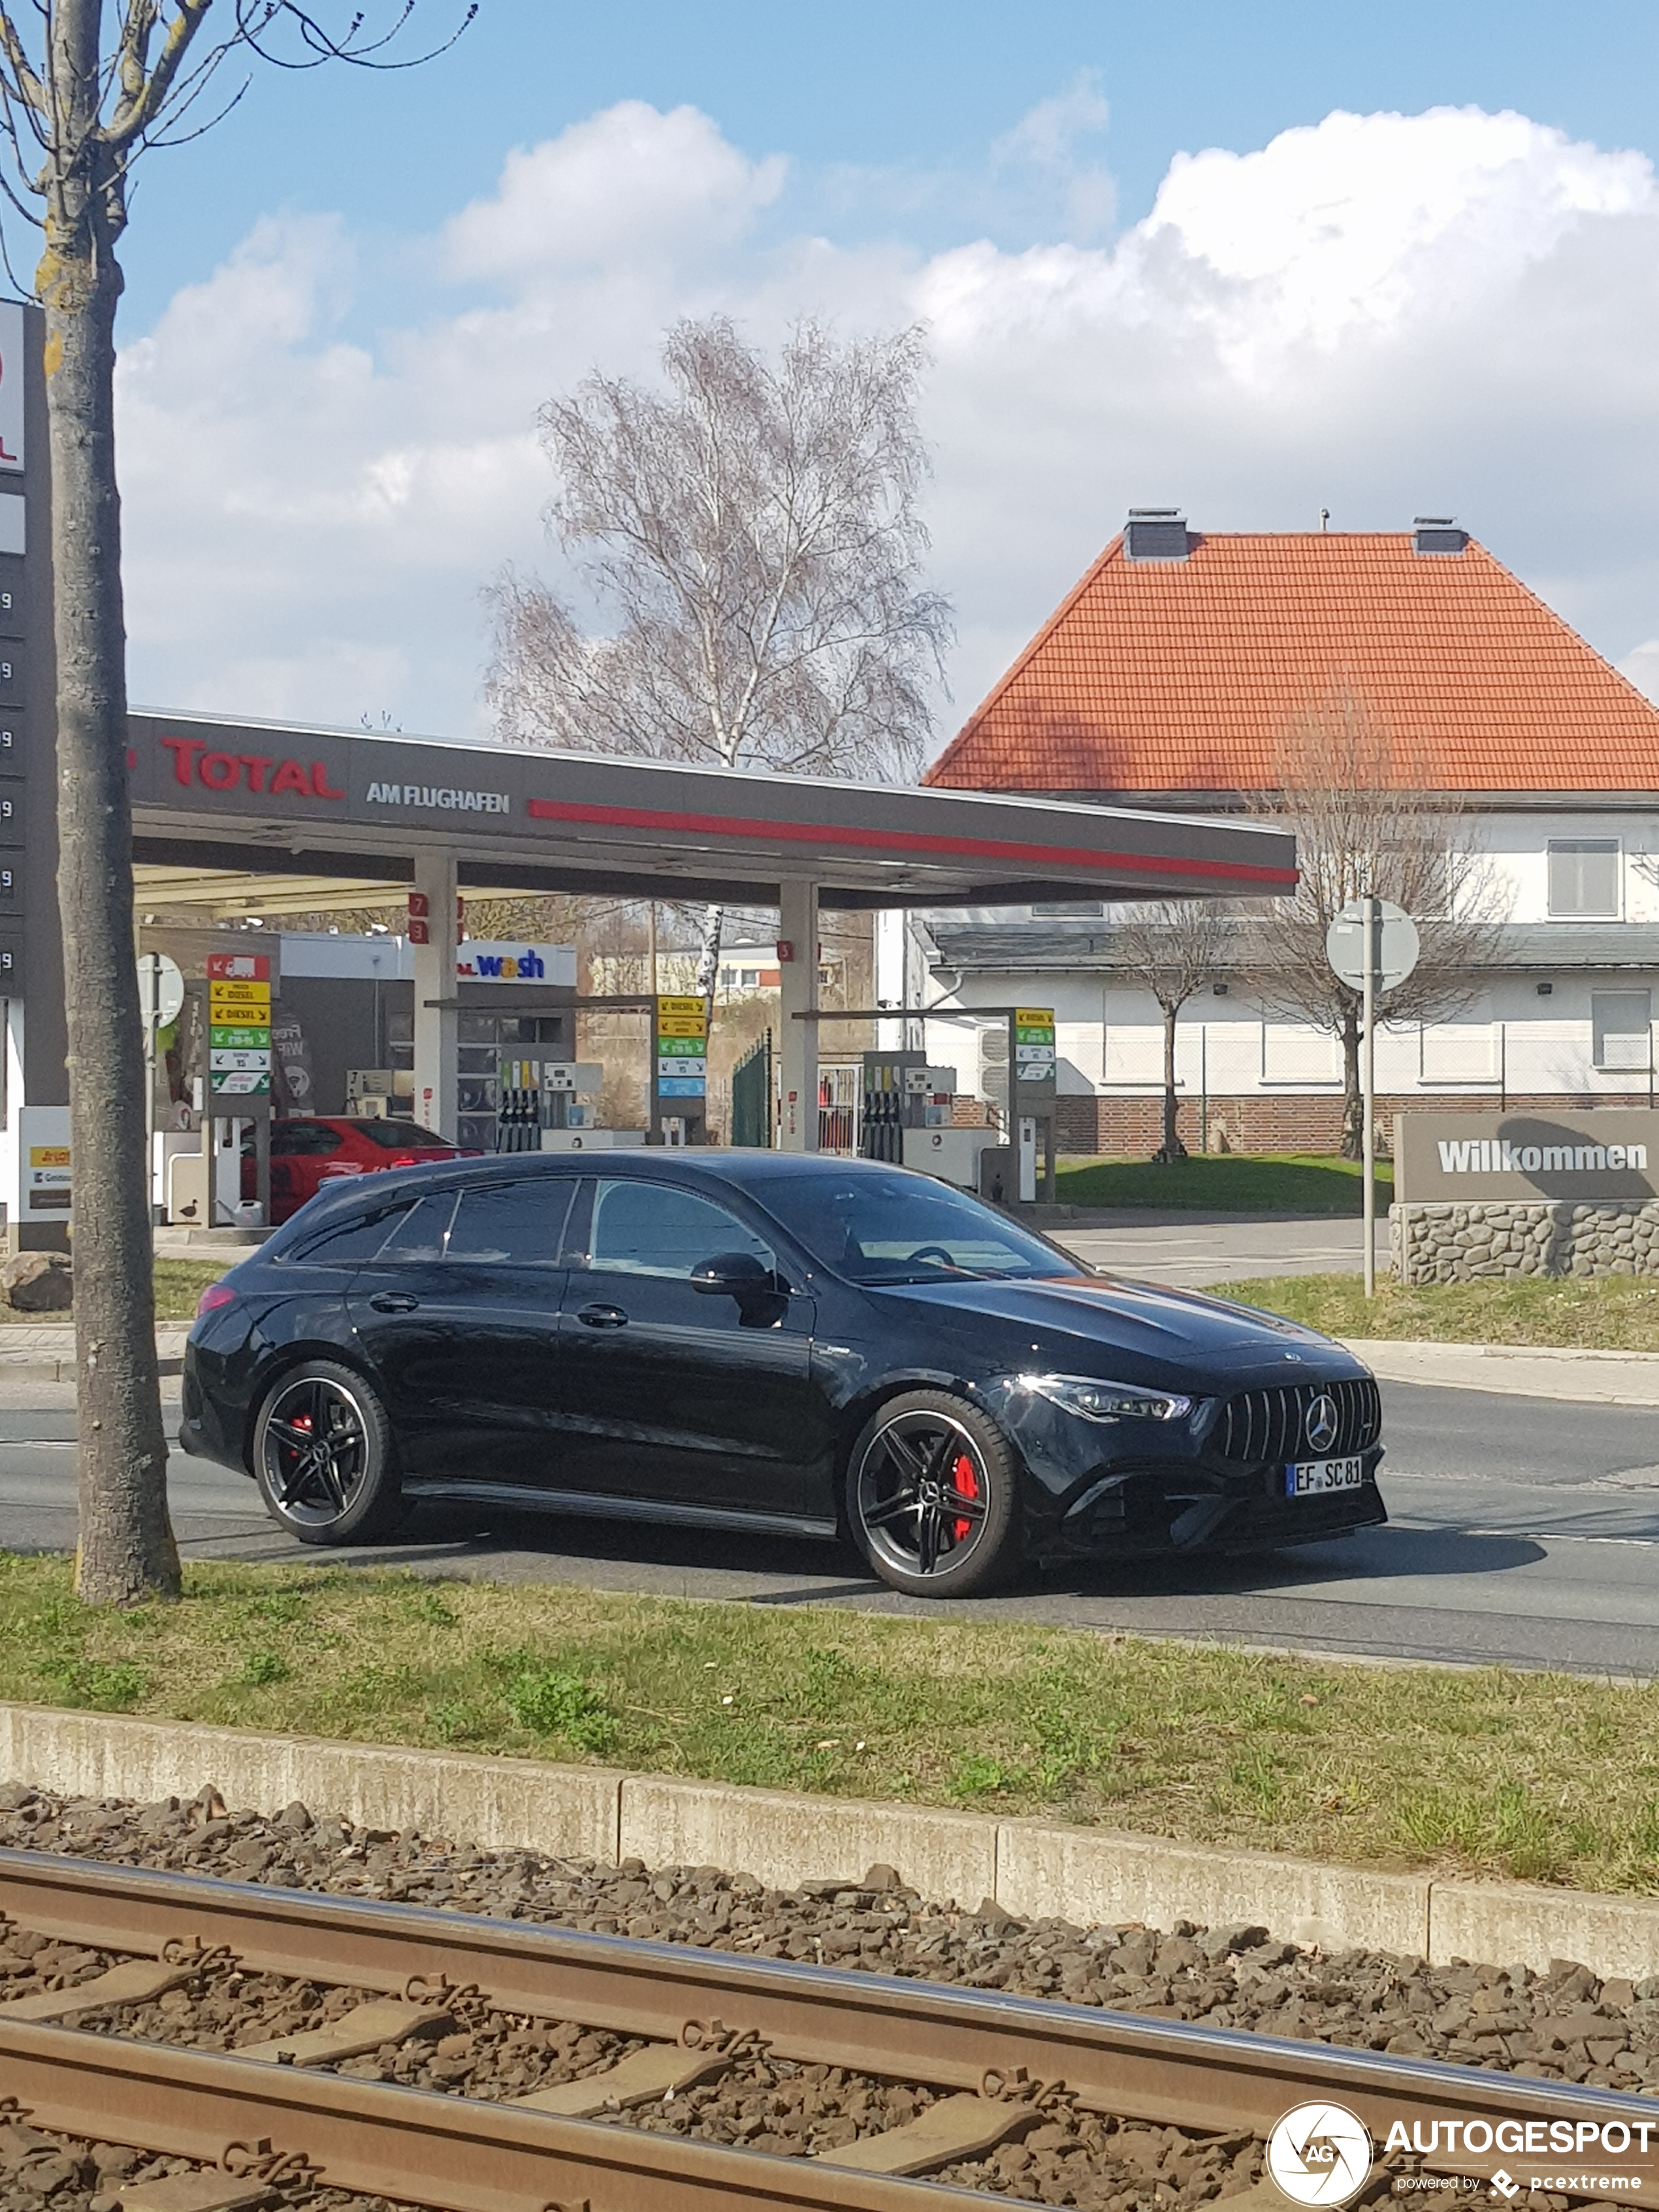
966, 1482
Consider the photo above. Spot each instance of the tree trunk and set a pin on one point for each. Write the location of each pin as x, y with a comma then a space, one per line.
708, 954
1354, 1101
126, 1552
1171, 1149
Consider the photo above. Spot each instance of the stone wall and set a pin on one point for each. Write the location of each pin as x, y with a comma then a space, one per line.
1451, 1243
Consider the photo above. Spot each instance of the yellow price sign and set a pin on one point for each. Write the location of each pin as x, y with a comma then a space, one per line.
674, 1025
681, 1008
1035, 1018
239, 994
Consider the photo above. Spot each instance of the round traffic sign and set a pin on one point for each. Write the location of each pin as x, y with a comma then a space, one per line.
160, 988
1394, 944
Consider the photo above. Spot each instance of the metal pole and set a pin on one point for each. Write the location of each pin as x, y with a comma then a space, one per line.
1367, 1149
152, 972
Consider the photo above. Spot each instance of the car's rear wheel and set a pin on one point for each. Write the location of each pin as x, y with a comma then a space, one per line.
324, 1457
932, 1497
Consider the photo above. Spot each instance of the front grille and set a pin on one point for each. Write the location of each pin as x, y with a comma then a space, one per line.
1273, 1425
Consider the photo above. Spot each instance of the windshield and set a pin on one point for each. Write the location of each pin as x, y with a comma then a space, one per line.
879, 1225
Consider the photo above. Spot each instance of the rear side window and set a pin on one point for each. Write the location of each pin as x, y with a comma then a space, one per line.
420, 1234
303, 1139
350, 1242
402, 1137
516, 1224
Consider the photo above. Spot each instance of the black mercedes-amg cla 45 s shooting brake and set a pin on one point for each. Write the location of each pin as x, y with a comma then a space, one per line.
785, 1343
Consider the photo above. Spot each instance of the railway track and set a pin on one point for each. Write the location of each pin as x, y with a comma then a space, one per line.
281, 2039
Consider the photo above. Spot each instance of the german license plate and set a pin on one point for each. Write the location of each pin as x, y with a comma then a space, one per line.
1311, 1477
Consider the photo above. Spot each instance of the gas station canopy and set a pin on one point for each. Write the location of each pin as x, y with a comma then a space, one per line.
215, 798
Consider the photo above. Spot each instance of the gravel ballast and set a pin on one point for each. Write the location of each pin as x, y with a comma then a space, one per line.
1562, 2024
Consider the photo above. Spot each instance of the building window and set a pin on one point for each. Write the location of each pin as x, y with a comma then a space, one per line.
1583, 878
1622, 1022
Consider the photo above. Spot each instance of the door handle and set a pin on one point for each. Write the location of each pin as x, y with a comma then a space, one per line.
394, 1302
602, 1318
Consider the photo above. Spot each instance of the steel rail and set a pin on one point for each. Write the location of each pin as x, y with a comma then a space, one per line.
1166, 2071
452, 2154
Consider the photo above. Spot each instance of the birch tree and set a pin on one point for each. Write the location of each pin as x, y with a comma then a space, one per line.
1172, 948
86, 86
1367, 824
751, 533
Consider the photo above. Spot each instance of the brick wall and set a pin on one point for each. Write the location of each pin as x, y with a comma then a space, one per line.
1133, 1123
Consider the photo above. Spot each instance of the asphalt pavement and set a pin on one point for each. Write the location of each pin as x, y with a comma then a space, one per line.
1524, 1531
1205, 1249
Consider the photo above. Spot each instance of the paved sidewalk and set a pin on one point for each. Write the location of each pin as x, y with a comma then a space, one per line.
1576, 1377
43, 1351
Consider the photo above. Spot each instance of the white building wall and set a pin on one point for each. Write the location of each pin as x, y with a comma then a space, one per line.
1110, 1038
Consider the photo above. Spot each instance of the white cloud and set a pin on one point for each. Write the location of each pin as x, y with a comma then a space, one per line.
1381, 314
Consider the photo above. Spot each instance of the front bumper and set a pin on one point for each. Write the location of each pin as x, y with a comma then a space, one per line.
1167, 1507
1215, 1482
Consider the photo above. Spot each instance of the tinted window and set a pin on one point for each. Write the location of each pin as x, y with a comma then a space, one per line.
518, 1225
654, 1228
881, 1225
350, 1242
303, 1139
402, 1136
420, 1234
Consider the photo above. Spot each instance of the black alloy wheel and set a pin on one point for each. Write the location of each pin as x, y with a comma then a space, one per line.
931, 1495
323, 1456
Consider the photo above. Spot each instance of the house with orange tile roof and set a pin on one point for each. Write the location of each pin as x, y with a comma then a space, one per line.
1173, 675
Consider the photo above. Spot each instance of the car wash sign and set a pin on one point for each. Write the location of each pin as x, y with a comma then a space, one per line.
1448, 1158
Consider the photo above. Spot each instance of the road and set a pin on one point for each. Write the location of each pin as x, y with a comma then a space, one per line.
1205, 1250
1523, 1531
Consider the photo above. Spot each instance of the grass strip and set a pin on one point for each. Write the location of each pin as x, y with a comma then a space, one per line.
1231, 1183
1542, 1776
1599, 1313
179, 1284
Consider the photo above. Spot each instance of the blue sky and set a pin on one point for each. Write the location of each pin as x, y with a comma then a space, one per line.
919, 87
344, 306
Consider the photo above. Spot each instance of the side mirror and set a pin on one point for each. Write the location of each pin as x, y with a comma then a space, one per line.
738, 1275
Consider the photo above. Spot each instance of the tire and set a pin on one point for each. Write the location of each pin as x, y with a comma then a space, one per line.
932, 1497
348, 1491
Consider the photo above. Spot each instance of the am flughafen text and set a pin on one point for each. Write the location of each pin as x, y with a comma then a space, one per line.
1516, 2137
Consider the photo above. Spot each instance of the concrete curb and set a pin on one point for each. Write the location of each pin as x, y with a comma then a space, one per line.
1036, 1869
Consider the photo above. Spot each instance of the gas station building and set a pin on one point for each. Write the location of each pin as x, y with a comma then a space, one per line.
317, 813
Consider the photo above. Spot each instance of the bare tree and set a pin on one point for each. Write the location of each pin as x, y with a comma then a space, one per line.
753, 535
1366, 826
1172, 948
85, 88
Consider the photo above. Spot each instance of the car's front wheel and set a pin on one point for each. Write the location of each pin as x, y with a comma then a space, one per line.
932, 1497
324, 1457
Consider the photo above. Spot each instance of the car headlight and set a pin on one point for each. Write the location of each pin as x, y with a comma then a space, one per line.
1106, 1401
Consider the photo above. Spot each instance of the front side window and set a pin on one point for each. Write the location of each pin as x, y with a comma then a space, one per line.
1583, 878
881, 1225
643, 1228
